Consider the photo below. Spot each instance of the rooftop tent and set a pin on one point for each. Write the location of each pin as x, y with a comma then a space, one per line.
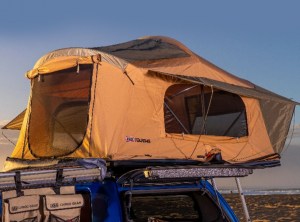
150, 98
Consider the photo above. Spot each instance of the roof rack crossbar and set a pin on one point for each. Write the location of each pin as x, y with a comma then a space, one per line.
49, 177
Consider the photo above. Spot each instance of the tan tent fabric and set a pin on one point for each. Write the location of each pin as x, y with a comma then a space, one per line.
124, 113
81, 55
16, 165
16, 123
61, 63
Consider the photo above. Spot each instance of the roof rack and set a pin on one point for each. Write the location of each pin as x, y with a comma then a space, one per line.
50, 177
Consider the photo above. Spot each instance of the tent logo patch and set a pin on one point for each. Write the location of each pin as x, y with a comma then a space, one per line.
136, 140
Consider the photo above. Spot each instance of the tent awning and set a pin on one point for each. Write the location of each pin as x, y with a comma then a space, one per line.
16, 123
256, 92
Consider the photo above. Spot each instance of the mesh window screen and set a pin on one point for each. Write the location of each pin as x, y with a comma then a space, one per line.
59, 111
187, 105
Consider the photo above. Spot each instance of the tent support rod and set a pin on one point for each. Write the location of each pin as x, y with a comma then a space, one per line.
186, 131
245, 209
63, 127
182, 91
233, 123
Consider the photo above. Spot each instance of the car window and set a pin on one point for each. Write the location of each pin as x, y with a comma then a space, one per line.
168, 208
191, 206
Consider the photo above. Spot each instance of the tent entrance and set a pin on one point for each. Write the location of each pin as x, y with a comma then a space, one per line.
59, 111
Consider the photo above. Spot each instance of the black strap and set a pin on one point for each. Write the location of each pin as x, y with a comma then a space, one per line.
59, 180
18, 183
126, 74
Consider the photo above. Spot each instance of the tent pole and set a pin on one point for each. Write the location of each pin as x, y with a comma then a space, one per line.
178, 120
182, 91
245, 209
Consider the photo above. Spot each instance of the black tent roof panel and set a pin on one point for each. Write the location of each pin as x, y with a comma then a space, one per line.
144, 49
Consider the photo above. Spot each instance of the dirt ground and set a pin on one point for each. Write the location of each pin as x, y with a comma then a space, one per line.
267, 208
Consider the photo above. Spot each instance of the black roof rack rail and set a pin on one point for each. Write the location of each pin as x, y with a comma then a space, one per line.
164, 174
197, 172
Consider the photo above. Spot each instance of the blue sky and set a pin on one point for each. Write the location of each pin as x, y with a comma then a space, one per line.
255, 40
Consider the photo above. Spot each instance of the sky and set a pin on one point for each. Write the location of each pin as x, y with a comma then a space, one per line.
256, 40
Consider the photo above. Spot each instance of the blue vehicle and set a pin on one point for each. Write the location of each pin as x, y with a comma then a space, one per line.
123, 191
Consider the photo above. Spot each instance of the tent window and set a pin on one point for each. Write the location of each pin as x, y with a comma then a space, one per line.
59, 111
187, 105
